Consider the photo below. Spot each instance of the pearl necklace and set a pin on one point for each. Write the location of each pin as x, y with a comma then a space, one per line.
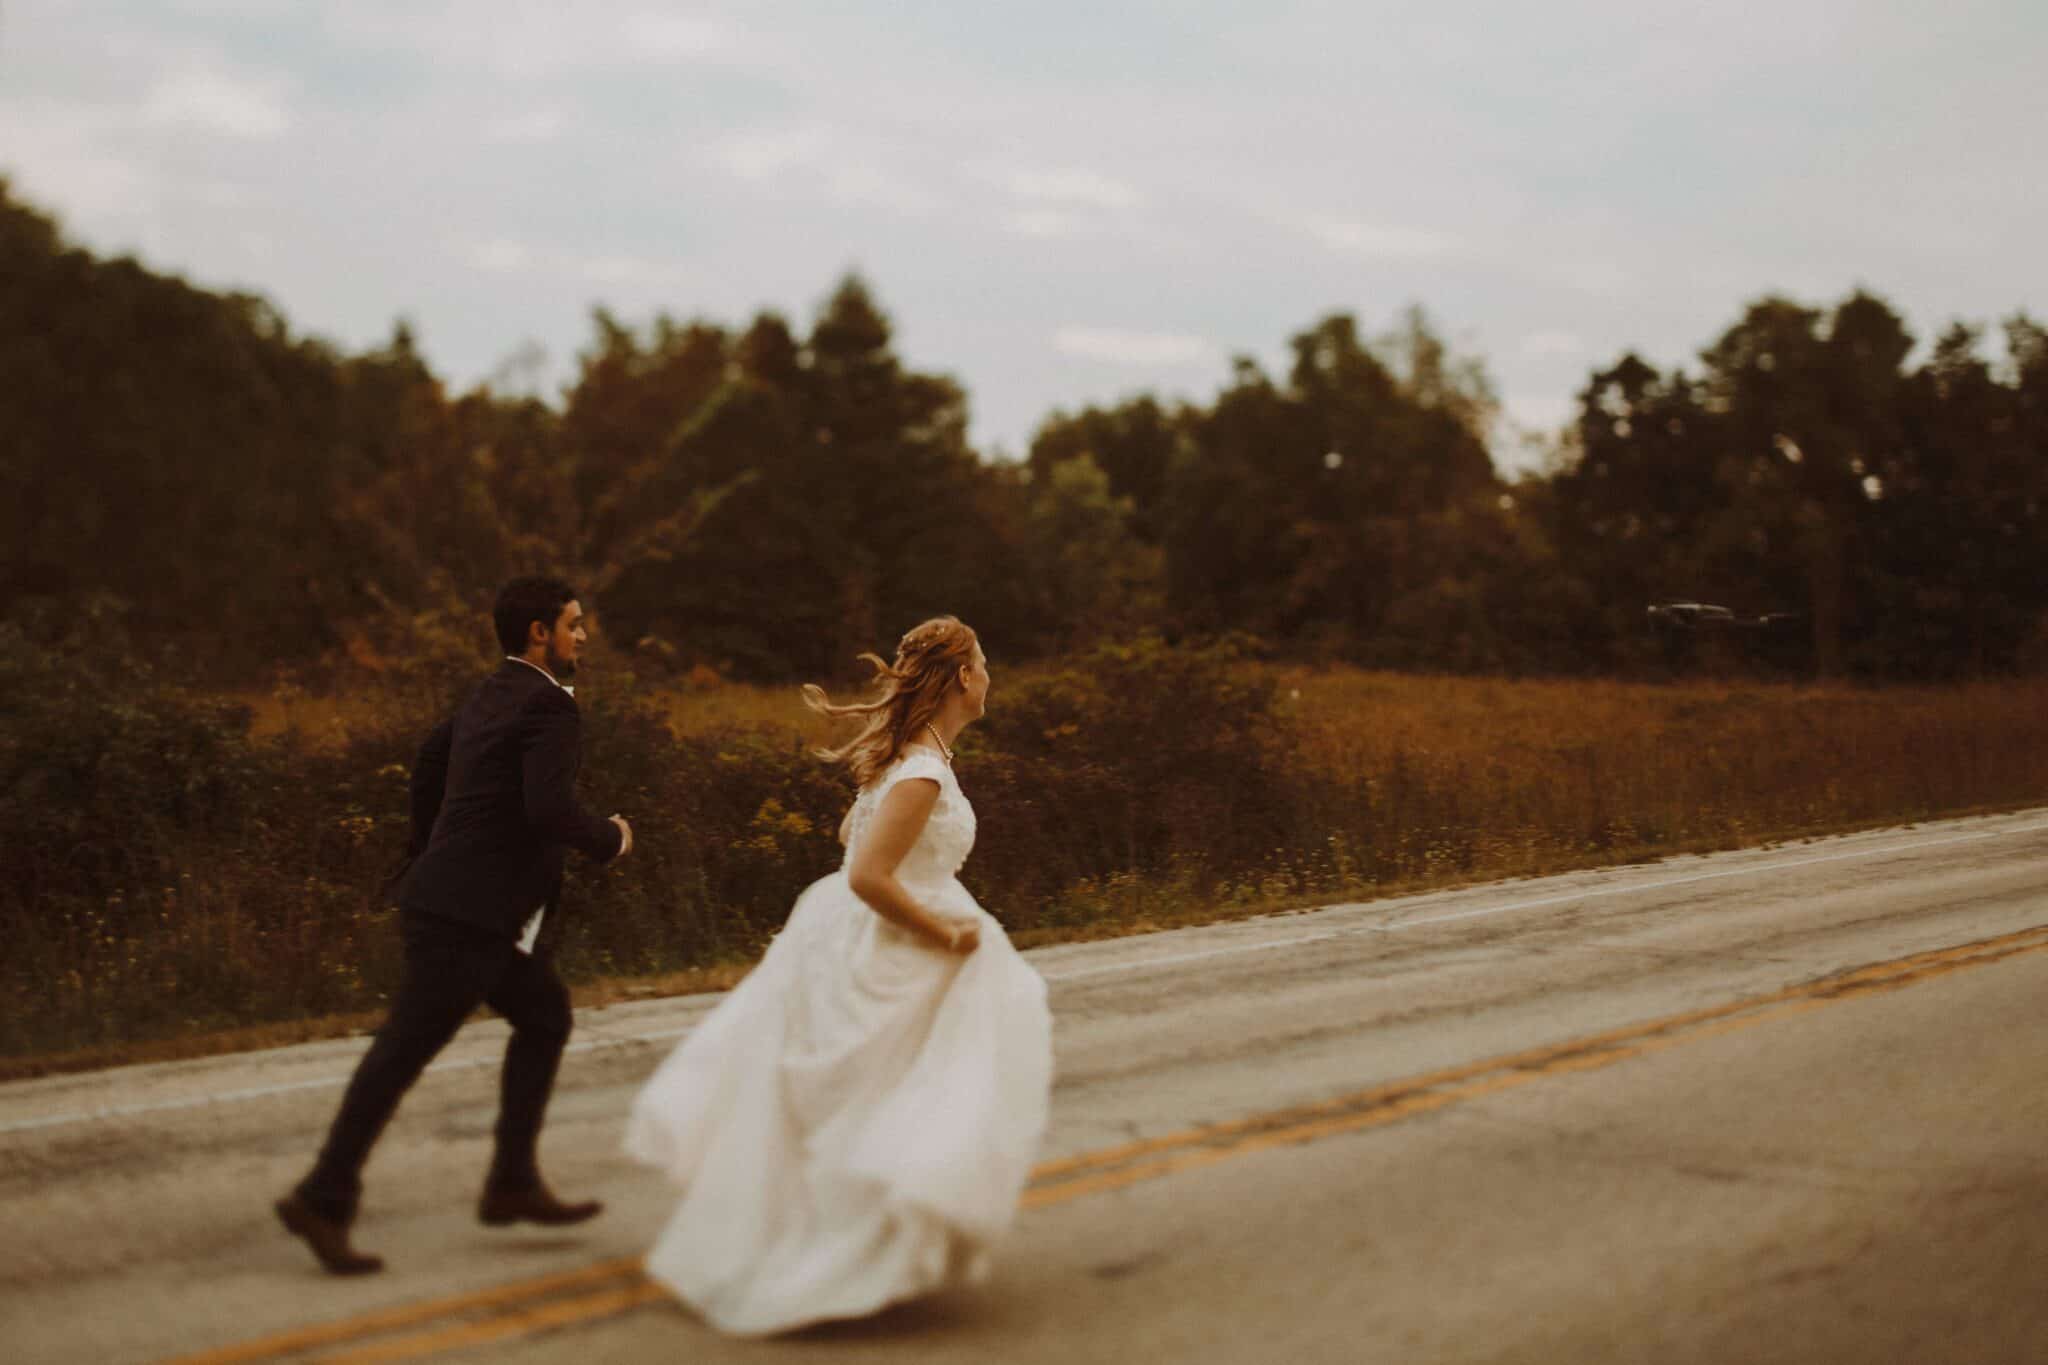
934, 732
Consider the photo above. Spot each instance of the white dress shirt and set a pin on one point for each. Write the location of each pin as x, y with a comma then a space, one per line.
531, 932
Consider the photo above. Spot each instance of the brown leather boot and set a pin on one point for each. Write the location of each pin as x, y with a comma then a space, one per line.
328, 1238
534, 1204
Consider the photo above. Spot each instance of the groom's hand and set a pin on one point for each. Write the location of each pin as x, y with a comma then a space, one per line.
626, 833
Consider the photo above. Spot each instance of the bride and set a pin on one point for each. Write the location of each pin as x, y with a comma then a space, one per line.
852, 1126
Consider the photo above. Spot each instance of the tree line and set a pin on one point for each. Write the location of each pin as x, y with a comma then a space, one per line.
767, 500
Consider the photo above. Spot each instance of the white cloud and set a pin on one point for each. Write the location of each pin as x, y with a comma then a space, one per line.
527, 40
1530, 202
1376, 239
855, 181
845, 171
659, 36
216, 101
633, 270
509, 256
1540, 412
1593, 277
539, 125
1552, 343
236, 9
1150, 350
1067, 203
501, 256
1045, 224
59, 154
223, 194
765, 153
1083, 188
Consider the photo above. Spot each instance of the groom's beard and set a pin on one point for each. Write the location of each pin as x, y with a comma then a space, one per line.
563, 669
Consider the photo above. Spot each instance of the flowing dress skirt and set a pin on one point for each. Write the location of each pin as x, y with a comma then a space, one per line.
853, 1124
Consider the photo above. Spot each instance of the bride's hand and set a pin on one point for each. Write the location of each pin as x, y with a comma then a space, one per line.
963, 938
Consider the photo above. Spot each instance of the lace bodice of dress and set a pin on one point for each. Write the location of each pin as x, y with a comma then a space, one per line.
948, 836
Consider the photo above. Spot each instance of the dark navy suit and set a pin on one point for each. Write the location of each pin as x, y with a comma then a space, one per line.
493, 809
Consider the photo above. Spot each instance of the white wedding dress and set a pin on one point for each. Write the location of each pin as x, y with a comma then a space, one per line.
853, 1125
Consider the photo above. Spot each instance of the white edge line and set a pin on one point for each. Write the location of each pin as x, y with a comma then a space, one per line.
1396, 926
1146, 964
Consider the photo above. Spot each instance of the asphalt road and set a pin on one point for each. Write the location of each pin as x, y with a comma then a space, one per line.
1784, 1104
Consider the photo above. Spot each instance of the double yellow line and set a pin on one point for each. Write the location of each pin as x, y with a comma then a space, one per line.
1057, 1182
504, 1311
612, 1287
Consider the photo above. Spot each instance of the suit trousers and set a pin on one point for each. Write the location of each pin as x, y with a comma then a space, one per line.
450, 969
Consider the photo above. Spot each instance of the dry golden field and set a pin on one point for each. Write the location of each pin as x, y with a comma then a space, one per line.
1526, 765
1114, 797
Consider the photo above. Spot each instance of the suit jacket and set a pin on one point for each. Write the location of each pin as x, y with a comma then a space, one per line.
494, 805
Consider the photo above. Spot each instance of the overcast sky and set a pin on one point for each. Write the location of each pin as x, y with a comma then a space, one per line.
1058, 203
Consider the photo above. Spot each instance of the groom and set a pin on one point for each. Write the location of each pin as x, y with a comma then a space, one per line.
493, 806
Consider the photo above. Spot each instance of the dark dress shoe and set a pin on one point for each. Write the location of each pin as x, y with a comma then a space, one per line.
327, 1237
534, 1205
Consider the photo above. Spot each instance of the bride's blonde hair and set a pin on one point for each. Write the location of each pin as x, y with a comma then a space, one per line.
908, 693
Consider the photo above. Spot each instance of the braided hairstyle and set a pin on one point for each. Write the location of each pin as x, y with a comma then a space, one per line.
908, 693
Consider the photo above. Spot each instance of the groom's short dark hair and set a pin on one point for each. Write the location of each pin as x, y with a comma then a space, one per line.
524, 601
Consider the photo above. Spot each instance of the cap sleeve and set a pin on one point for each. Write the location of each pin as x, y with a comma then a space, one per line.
917, 762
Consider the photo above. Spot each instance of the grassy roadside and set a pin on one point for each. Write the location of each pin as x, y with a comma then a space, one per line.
284, 1033
1163, 915
188, 874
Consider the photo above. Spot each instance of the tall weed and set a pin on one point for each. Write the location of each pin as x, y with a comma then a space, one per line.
168, 867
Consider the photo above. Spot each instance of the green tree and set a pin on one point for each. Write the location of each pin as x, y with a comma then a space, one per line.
1304, 510
1134, 444
1097, 580
1810, 411
169, 445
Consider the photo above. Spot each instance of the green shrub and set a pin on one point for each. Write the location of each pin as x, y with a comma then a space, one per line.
163, 874
727, 828
1136, 760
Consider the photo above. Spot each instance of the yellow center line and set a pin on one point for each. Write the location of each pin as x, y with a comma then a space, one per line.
303, 1339
517, 1322
529, 1306
1585, 1052
1115, 1168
